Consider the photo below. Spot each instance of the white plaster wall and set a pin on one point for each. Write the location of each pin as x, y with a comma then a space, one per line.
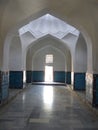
58, 59
80, 59
29, 59
71, 40
26, 39
15, 55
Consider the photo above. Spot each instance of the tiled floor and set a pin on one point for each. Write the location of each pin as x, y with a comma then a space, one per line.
41, 107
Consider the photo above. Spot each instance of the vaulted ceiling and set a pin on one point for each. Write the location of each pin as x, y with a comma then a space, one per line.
48, 25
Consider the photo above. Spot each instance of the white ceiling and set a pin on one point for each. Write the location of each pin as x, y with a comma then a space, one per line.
49, 24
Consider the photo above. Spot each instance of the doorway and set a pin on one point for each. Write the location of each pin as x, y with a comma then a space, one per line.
48, 73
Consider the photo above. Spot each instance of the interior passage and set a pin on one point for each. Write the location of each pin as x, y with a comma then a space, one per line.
47, 107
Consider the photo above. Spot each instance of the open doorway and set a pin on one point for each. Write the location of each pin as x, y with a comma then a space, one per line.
48, 73
49, 68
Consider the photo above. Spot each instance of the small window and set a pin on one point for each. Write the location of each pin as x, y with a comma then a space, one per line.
49, 58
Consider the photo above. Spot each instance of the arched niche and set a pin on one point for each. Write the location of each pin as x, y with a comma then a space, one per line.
48, 41
80, 61
12, 51
58, 66
80, 64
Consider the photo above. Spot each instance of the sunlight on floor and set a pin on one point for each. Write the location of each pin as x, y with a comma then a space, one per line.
48, 96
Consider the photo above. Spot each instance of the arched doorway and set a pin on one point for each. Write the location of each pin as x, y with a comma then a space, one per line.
38, 51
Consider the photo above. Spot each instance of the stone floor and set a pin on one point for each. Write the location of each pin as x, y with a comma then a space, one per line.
44, 107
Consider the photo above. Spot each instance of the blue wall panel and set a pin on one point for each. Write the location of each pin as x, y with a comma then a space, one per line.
16, 79
0, 87
37, 76
59, 76
68, 77
95, 89
79, 81
28, 76
4, 85
95, 78
97, 97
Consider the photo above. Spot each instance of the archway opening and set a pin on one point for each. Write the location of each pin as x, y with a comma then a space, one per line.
48, 73
49, 68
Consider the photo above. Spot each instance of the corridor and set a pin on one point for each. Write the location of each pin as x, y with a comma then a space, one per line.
45, 107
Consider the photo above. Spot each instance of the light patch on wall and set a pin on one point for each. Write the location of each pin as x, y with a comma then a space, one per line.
49, 58
24, 76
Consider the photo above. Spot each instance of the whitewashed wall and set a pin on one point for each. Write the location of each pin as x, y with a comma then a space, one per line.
80, 58
15, 55
58, 59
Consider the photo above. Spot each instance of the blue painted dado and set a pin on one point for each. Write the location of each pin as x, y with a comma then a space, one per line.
16, 79
37, 76
95, 89
79, 81
95, 98
28, 76
68, 77
59, 76
4, 86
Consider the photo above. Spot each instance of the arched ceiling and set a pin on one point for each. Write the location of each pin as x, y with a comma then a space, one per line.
48, 40
48, 24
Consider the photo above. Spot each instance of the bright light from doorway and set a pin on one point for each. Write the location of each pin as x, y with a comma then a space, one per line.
48, 97
48, 94
48, 73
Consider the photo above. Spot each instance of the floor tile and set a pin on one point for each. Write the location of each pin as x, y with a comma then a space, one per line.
44, 107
